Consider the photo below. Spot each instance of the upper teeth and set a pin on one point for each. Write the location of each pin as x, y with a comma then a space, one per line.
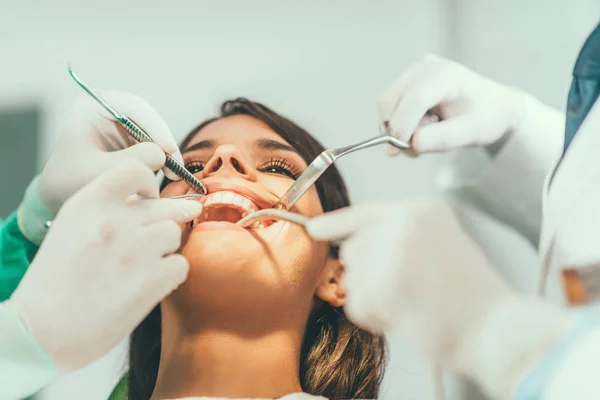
230, 198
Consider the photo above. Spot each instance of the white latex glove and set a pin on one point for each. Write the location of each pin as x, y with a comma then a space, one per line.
92, 142
413, 269
105, 263
474, 110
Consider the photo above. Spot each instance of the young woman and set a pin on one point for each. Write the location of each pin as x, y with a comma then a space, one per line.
261, 313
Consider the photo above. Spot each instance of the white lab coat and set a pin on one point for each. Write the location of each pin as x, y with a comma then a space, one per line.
514, 187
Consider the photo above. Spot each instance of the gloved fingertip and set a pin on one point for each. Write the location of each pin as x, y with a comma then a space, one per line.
170, 174
326, 228
426, 143
190, 209
170, 147
362, 316
317, 229
338, 224
171, 274
387, 104
353, 309
391, 151
180, 267
176, 154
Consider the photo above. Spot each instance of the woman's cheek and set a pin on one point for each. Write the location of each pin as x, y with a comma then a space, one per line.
309, 204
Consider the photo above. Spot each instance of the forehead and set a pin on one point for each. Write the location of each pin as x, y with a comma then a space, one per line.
237, 129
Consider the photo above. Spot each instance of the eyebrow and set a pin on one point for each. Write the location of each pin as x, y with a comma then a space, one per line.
268, 144
265, 144
204, 144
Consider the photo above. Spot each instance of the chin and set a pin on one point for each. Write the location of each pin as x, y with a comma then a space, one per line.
225, 242
227, 274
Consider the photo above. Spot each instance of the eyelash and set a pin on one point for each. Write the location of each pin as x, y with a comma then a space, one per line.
280, 166
273, 166
193, 163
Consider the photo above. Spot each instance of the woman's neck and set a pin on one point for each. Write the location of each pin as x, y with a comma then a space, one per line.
214, 362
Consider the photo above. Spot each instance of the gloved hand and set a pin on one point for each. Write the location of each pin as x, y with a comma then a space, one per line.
418, 258
474, 110
105, 263
91, 143
412, 268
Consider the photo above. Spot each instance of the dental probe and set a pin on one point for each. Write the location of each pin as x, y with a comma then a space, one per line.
141, 136
188, 196
324, 161
272, 213
328, 157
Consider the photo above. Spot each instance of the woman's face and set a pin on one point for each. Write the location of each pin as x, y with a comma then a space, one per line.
246, 166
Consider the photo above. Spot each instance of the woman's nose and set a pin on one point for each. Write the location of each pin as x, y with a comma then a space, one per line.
228, 160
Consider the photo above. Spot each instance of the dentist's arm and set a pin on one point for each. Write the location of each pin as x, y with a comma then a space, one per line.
91, 143
105, 263
522, 137
412, 269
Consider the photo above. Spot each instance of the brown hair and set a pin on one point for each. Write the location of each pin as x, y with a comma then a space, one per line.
338, 359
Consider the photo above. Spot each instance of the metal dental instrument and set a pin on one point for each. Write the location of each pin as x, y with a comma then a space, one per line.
328, 157
324, 161
188, 196
312, 173
138, 134
272, 213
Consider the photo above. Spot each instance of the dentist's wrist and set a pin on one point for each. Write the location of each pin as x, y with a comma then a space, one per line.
569, 357
33, 216
511, 339
29, 367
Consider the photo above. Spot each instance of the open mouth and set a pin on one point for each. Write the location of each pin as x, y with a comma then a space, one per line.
228, 206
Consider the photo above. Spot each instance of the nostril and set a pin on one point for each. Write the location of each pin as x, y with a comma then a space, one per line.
238, 167
218, 164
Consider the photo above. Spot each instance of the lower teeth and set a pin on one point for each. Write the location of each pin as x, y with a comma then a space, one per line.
256, 225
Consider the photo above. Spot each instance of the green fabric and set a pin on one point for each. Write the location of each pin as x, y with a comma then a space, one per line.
120, 391
16, 253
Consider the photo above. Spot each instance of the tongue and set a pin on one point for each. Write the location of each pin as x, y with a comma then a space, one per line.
223, 214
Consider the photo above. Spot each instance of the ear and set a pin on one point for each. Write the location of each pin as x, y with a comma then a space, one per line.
331, 289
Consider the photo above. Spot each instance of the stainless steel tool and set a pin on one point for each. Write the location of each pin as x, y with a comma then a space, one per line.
274, 214
324, 161
138, 134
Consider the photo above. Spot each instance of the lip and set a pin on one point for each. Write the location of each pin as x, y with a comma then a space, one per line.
254, 197
218, 226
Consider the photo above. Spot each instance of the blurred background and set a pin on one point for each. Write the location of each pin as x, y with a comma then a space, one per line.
324, 64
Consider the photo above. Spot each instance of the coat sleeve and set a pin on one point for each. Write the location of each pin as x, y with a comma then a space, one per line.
569, 368
24, 364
